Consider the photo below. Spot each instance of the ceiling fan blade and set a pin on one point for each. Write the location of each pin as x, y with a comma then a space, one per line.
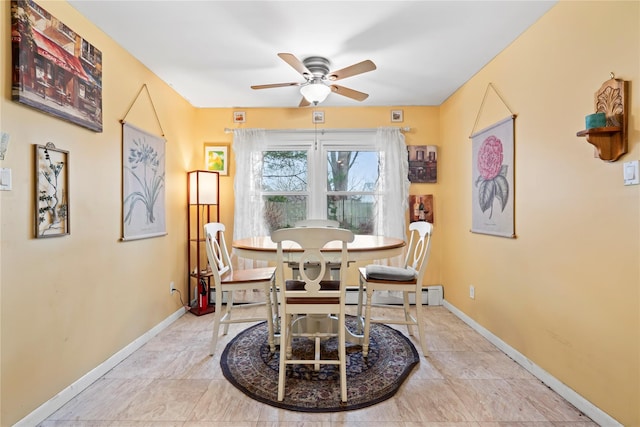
304, 102
359, 68
349, 93
275, 85
295, 63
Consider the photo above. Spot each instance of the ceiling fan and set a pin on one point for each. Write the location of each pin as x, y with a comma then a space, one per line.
315, 70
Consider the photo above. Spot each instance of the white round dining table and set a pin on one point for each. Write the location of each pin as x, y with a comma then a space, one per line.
364, 247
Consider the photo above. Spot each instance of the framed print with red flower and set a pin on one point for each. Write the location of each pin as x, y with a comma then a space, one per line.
492, 175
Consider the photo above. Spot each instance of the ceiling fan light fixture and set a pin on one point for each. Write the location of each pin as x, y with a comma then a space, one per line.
315, 93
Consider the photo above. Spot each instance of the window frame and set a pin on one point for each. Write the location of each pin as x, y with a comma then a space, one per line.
318, 145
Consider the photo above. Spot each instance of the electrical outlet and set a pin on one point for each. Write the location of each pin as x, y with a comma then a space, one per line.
472, 292
172, 289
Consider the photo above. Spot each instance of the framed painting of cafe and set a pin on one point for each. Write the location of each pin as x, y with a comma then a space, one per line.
54, 69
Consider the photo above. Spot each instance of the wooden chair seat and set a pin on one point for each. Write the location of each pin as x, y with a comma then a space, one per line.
248, 276
363, 272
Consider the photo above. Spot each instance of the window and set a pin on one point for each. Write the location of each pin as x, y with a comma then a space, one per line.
359, 177
351, 188
332, 177
90, 54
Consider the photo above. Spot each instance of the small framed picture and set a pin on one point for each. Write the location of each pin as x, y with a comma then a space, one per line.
317, 116
423, 163
239, 117
396, 115
216, 158
421, 208
52, 191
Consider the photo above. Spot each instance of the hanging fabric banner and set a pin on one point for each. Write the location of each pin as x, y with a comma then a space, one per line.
143, 177
492, 175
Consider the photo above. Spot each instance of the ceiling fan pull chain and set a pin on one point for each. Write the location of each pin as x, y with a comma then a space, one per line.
315, 137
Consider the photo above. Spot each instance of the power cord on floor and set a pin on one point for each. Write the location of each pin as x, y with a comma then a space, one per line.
186, 307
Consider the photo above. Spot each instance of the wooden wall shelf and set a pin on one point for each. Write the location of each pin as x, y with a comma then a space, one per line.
607, 140
610, 141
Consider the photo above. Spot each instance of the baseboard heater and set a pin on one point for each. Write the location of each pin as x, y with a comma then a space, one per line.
431, 295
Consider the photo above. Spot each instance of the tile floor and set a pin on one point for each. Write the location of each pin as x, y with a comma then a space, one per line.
172, 381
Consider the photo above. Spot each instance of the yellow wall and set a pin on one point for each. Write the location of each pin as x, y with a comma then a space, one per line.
69, 303
565, 293
422, 121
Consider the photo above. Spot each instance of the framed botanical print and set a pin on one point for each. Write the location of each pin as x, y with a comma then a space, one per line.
51, 191
143, 184
216, 158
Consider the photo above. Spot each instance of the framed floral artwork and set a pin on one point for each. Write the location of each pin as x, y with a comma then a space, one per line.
492, 175
216, 158
52, 191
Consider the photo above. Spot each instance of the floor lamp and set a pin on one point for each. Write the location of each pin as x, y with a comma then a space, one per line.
203, 197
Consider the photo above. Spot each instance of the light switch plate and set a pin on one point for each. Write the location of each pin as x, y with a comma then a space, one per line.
5, 179
630, 172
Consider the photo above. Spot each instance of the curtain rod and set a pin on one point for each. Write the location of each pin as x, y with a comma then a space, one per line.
322, 131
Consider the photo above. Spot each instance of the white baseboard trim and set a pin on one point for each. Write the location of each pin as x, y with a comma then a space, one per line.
589, 409
56, 402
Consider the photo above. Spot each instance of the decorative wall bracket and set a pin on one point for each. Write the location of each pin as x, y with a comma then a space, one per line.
612, 100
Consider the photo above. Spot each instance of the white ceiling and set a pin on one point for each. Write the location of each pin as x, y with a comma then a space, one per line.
211, 52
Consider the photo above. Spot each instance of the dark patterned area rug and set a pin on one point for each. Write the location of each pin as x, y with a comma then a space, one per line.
247, 363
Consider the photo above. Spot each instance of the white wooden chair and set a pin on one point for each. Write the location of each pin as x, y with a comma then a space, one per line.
334, 267
317, 223
312, 295
227, 280
407, 279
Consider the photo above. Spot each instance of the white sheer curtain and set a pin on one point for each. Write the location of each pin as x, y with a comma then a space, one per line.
393, 192
393, 183
247, 147
248, 218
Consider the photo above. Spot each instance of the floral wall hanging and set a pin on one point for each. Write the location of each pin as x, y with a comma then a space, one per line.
143, 170
492, 186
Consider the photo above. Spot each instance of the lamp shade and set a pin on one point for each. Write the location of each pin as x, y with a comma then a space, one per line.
315, 93
203, 187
